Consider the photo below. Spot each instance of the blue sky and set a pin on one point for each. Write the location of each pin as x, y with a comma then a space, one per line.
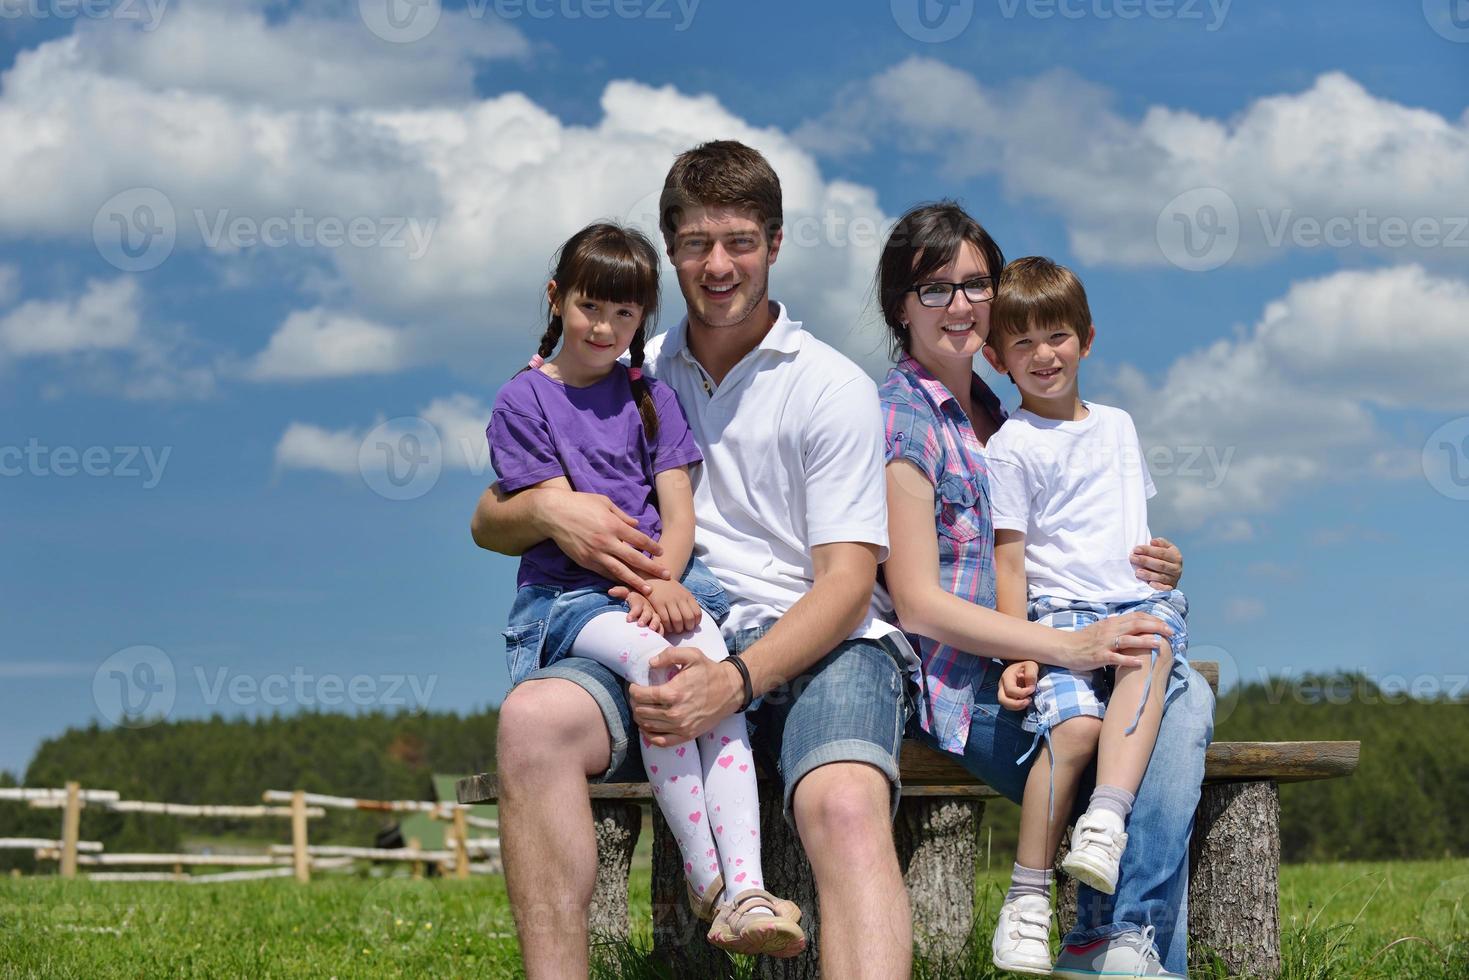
237, 533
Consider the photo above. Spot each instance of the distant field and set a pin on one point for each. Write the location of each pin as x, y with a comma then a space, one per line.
1338, 920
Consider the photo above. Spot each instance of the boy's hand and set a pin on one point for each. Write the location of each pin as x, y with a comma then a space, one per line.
674, 605
1017, 684
641, 611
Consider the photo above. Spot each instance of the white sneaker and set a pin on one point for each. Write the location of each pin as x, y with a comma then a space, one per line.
1022, 941
1096, 850
1131, 954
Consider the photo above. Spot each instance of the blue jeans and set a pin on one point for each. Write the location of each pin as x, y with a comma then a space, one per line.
1152, 887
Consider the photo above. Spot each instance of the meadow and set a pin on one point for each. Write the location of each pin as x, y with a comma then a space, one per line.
1348, 920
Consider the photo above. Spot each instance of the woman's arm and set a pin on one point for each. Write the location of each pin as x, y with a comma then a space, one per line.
927, 608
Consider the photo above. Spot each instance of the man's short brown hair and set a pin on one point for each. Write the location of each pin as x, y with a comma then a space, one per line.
722, 173
1036, 290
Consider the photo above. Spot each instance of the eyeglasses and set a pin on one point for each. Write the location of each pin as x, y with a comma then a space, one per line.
980, 289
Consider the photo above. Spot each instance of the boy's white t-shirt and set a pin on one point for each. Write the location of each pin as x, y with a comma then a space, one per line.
1079, 492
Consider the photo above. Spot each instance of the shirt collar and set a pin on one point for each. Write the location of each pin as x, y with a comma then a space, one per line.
784, 335
939, 395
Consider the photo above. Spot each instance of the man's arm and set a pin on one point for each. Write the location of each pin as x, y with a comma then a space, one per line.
704, 692
587, 527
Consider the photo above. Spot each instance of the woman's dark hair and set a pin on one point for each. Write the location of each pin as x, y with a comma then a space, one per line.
609, 264
924, 240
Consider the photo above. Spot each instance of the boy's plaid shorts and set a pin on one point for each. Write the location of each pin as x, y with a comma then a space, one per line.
1064, 694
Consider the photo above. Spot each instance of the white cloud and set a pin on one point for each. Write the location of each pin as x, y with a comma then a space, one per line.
319, 343
104, 317
459, 420
1328, 152
504, 181
310, 447
1244, 424
306, 58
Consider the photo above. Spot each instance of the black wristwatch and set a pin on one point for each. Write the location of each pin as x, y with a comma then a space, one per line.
734, 658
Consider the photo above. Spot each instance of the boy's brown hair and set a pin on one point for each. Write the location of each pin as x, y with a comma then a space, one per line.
1036, 290
721, 173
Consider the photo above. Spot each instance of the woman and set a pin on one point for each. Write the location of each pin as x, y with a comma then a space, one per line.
936, 276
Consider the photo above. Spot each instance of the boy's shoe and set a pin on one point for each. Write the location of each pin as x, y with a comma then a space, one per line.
1096, 850
1130, 954
1022, 942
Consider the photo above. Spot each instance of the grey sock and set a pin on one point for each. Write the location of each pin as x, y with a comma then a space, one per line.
1030, 881
1113, 798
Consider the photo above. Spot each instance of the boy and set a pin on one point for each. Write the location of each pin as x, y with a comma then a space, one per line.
1069, 492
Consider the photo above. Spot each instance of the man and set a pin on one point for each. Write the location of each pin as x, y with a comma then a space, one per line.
791, 518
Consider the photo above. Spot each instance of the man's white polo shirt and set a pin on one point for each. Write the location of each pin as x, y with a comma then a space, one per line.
793, 458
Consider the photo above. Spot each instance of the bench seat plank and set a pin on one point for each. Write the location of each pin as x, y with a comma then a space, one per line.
928, 773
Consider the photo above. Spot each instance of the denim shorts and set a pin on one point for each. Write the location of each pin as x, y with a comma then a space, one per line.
851, 706
545, 620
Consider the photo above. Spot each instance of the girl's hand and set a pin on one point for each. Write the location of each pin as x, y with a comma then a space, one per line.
642, 612
674, 605
1114, 642
1017, 684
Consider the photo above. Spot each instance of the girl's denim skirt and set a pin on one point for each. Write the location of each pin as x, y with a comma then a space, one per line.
545, 619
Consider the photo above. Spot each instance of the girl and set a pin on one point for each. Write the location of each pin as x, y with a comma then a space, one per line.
582, 421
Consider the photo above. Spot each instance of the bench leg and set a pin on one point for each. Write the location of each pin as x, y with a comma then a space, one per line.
938, 850
1234, 878
617, 825
678, 935
787, 874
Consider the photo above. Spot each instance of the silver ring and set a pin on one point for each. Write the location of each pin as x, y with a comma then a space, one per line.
1117, 645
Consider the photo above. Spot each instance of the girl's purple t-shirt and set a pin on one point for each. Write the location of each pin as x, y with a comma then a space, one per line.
541, 428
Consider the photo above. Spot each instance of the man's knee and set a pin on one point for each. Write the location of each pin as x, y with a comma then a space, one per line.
549, 725
844, 808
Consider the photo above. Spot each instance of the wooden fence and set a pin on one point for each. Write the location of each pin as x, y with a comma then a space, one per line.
297, 859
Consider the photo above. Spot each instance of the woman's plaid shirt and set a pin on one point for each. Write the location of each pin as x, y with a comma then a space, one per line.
926, 426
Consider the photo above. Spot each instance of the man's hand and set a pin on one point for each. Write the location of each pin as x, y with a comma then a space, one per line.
697, 697
593, 532
1158, 563
1017, 684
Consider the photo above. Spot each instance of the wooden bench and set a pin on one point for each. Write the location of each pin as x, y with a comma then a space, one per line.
1234, 856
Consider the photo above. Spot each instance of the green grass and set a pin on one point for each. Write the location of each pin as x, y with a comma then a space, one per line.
1383, 920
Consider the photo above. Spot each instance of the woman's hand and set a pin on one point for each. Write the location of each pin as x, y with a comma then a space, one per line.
1158, 563
1017, 684
1113, 642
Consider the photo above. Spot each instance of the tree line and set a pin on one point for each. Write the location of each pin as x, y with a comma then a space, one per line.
1408, 799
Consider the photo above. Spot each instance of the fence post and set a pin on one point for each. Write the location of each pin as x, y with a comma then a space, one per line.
71, 825
461, 844
414, 845
300, 858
